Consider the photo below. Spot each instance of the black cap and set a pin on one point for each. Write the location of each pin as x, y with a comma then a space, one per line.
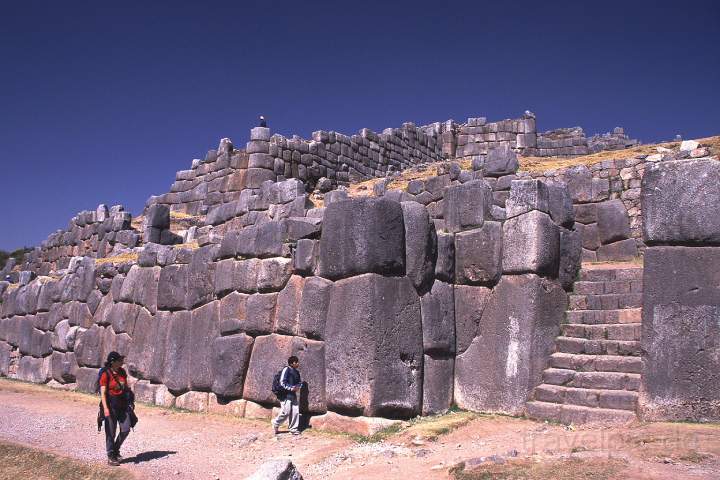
112, 356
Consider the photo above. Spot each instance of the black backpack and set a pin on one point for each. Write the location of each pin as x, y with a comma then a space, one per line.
277, 388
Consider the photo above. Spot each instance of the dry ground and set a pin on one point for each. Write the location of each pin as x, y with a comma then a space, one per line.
174, 444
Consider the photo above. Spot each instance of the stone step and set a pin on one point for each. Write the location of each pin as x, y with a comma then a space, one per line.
605, 301
610, 286
587, 397
596, 363
622, 331
597, 347
594, 317
593, 380
568, 414
610, 274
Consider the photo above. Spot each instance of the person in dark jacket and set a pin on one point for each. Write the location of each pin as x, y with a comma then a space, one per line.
116, 398
289, 406
263, 123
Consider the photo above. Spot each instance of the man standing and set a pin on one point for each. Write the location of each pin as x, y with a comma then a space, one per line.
289, 406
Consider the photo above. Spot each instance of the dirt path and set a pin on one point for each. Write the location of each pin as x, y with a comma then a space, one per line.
172, 444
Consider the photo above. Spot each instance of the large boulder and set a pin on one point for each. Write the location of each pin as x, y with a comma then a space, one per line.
470, 303
531, 244
679, 201
445, 264
681, 334
501, 160
80, 280
560, 205
35, 370
289, 299
613, 222
204, 328
146, 357
361, 236
277, 469
314, 307
374, 347
270, 354
526, 196
506, 359
570, 257
420, 245
173, 288
230, 357
89, 347
478, 255
63, 367
141, 287
438, 319
467, 205
178, 348
437, 384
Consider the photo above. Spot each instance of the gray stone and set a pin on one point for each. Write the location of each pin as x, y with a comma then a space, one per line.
585, 213
5, 355
89, 347
314, 307
681, 333
204, 328
445, 264
158, 216
173, 288
500, 160
623, 250
35, 370
141, 287
438, 319
260, 313
479, 254
470, 303
437, 384
146, 357
374, 323
590, 235
560, 205
531, 243
679, 202
230, 358
260, 133
526, 196
505, 361
467, 205
570, 257
277, 469
360, 236
63, 367
305, 256
178, 348
233, 313
288, 306
273, 274
122, 317
420, 246
613, 222
335, 196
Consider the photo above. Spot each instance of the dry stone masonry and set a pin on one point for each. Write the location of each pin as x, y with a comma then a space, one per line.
449, 291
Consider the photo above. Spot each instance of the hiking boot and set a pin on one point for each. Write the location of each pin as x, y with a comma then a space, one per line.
119, 457
113, 462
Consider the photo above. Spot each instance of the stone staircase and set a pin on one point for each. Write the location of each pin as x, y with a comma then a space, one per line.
594, 374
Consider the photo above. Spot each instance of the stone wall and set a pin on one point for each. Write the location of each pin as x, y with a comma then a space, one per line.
206, 327
681, 299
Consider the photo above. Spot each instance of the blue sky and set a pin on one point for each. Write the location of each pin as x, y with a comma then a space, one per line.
103, 103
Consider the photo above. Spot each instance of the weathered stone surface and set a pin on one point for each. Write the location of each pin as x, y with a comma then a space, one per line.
374, 323
366, 426
176, 375
270, 354
618, 251
445, 265
273, 274
470, 303
5, 353
438, 319
224, 406
570, 257
585, 213
260, 313
501, 160
173, 288
531, 243
505, 361
478, 255
232, 313
193, 401
681, 334
141, 287
89, 347
277, 469
420, 245
63, 367
314, 307
201, 276
305, 256
613, 222
437, 384
590, 235
146, 356
560, 205
204, 329
158, 216
467, 205
679, 202
360, 236
122, 317
288, 306
78, 284
230, 358
35, 370
526, 196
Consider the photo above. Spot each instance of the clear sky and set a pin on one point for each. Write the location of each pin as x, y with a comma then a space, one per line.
101, 102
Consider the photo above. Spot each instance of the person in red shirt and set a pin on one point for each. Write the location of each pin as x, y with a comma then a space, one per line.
116, 399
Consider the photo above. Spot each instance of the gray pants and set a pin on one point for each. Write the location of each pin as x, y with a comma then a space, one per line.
289, 410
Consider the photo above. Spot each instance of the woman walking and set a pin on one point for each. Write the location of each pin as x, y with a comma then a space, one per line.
117, 401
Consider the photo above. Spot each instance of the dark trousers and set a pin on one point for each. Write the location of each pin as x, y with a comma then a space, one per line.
113, 438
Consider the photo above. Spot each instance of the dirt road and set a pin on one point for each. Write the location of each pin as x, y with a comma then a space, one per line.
173, 444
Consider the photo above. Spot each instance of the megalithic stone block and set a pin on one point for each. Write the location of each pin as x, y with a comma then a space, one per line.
526, 196
531, 244
478, 255
362, 236
374, 323
613, 221
420, 245
230, 358
467, 205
